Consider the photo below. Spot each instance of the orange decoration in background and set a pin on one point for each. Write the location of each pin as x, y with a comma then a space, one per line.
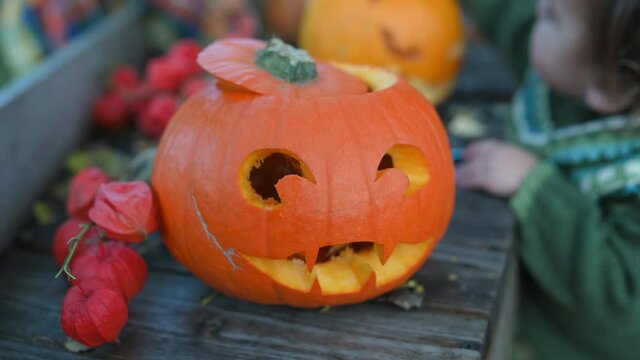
328, 189
422, 40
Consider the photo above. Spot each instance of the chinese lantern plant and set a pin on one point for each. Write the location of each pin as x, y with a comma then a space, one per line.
296, 182
104, 275
153, 99
421, 40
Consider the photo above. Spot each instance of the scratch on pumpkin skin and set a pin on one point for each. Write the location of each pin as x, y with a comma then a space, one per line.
229, 253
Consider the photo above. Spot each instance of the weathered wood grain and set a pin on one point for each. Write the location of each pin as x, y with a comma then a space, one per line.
174, 312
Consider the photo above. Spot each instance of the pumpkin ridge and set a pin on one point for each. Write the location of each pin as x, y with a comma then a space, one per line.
364, 171
187, 207
186, 211
440, 145
192, 204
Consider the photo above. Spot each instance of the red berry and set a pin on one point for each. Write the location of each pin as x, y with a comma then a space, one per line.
189, 50
110, 111
124, 79
66, 231
139, 107
167, 73
115, 262
194, 86
125, 211
83, 190
93, 312
157, 115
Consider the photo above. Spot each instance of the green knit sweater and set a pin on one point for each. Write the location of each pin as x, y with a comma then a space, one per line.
578, 212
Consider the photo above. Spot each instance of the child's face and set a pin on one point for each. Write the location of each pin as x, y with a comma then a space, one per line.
559, 46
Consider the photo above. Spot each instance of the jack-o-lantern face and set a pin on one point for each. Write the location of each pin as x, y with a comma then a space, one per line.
321, 192
422, 40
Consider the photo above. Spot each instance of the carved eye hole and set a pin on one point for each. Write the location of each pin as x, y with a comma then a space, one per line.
261, 171
410, 160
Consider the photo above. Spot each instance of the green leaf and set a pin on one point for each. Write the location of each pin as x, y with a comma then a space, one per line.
113, 162
141, 167
43, 213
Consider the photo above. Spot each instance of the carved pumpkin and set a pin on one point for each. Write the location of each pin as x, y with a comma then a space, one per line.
422, 40
294, 182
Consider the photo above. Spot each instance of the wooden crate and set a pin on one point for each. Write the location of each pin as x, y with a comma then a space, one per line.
44, 114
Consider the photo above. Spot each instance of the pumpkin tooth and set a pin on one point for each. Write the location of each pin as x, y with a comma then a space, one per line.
379, 251
315, 286
310, 257
388, 251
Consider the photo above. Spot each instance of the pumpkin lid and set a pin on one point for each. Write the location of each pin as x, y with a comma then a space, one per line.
275, 69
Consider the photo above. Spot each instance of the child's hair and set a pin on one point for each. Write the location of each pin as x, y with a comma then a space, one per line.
616, 45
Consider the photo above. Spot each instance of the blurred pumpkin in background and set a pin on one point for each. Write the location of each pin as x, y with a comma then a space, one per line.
282, 18
422, 40
301, 183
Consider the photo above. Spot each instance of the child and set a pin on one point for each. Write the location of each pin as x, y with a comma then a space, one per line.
573, 174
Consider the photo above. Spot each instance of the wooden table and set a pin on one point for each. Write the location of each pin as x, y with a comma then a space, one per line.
465, 281
466, 312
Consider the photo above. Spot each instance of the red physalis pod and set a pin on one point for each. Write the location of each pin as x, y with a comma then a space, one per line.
188, 50
82, 192
93, 312
111, 111
125, 211
157, 115
114, 262
167, 73
124, 80
68, 230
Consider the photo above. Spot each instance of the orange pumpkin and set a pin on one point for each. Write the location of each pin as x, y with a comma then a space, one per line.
295, 182
422, 40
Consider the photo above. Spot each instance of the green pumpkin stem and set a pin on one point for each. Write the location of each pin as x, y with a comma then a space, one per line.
287, 62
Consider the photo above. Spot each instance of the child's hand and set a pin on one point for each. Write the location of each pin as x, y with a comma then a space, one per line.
495, 167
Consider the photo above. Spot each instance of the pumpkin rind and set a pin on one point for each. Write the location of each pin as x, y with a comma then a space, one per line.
212, 227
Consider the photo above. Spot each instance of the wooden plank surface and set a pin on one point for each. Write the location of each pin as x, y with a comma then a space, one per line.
462, 281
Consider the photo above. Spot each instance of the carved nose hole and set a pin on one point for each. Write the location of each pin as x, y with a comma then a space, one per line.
262, 170
410, 160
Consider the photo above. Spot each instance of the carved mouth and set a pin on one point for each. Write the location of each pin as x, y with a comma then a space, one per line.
344, 268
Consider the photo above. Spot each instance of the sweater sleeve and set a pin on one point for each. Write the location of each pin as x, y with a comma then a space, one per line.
507, 24
584, 254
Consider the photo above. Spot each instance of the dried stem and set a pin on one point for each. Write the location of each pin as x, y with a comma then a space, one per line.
73, 245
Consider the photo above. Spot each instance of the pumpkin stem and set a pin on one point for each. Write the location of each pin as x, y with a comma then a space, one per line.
287, 62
